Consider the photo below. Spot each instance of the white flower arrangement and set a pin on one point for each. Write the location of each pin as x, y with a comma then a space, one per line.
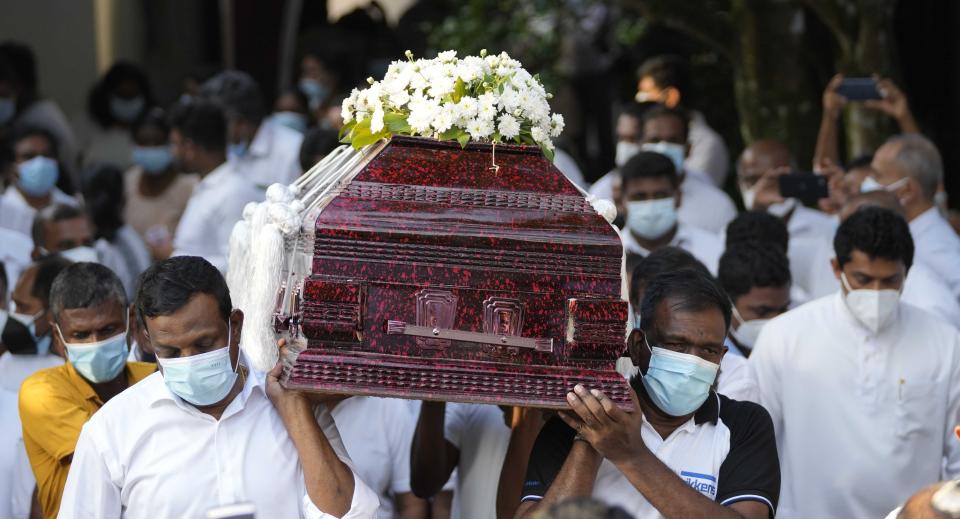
477, 98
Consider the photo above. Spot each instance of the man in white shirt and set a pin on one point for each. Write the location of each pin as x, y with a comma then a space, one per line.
758, 169
27, 336
910, 166
198, 135
682, 450
261, 150
863, 389
651, 199
664, 131
207, 431
665, 80
923, 288
35, 180
377, 433
470, 438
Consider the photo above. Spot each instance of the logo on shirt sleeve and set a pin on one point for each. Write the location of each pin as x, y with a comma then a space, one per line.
703, 483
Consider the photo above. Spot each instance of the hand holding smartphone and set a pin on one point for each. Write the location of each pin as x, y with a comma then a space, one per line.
859, 89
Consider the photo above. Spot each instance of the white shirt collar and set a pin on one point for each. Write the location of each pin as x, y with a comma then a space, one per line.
217, 176
263, 140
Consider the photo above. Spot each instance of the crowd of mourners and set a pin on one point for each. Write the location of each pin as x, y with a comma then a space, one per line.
796, 358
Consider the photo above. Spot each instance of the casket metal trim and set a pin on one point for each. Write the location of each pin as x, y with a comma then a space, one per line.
533, 343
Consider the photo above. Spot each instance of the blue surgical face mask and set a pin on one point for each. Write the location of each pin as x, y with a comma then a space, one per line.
651, 219
38, 175
673, 151
30, 321
153, 159
315, 91
126, 110
99, 361
678, 383
291, 120
237, 150
203, 379
8, 108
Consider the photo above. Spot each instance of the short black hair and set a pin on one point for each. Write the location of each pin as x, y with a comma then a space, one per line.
26, 132
85, 285
4, 282
752, 264
98, 101
637, 110
317, 142
105, 199
201, 121
877, 232
48, 268
659, 110
687, 290
757, 226
667, 70
238, 93
649, 164
664, 259
21, 58
169, 285
51, 214
154, 118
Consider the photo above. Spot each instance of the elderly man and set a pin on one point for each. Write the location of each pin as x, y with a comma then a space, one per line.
864, 389
910, 167
207, 431
88, 307
682, 450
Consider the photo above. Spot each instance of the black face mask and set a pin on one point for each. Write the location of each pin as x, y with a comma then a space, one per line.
17, 339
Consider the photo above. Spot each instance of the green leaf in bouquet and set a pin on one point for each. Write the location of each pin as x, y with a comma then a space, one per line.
396, 122
547, 152
453, 134
463, 139
345, 130
458, 90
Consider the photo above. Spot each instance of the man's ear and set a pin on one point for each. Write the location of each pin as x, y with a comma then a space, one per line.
236, 323
678, 198
637, 348
671, 97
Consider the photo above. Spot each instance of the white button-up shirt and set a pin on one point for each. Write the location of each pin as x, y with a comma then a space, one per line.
148, 454
17, 215
377, 433
273, 157
938, 246
708, 152
863, 420
703, 245
703, 204
482, 436
214, 207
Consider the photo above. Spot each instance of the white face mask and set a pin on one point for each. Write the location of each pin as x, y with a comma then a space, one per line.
746, 334
870, 184
651, 219
625, 151
749, 195
81, 254
781, 209
873, 308
674, 152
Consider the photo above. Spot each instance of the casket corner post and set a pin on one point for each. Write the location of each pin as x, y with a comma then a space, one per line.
434, 278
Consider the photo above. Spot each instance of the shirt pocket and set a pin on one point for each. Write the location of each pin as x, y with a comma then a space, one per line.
920, 409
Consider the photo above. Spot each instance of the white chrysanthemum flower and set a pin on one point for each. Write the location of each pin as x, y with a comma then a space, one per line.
539, 134
509, 127
443, 121
441, 86
556, 125
376, 122
448, 55
480, 128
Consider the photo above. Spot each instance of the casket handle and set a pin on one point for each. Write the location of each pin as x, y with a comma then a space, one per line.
402, 328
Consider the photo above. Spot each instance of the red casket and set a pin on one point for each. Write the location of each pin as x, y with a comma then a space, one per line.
436, 277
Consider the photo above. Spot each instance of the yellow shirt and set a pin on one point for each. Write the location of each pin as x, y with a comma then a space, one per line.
54, 405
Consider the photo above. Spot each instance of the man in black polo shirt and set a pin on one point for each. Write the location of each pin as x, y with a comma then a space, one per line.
683, 451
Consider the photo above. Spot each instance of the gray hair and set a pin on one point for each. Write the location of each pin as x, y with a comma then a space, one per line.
920, 157
84, 285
